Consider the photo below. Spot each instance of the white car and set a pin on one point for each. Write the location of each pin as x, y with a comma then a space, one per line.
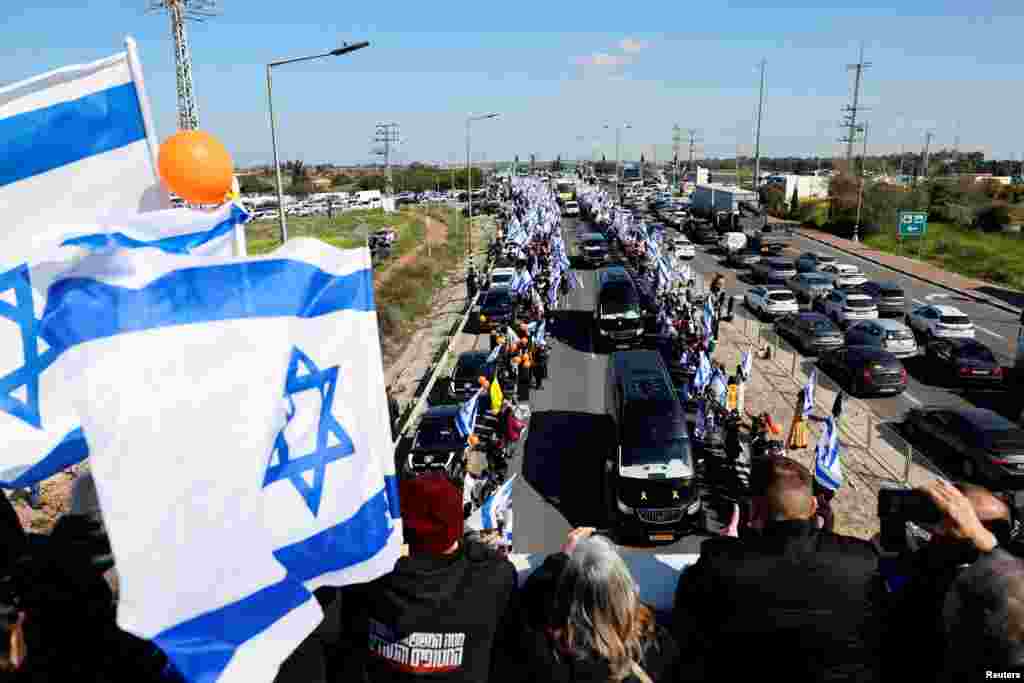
733, 241
684, 248
843, 274
938, 322
768, 302
502, 277
846, 307
888, 335
571, 209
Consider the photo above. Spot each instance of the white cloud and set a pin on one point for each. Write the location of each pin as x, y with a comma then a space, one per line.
633, 45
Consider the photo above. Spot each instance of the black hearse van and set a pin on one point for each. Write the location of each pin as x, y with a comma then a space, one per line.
649, 474
618, 314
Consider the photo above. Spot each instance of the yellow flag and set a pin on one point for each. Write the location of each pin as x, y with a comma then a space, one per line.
497, 398
730, 401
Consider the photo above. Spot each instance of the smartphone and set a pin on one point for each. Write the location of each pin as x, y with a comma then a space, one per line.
907, 505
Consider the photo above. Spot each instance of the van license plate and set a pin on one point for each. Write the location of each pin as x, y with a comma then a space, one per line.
662, 537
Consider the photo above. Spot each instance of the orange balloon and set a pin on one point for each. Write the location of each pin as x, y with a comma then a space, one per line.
482, 380
195, 166
473, 439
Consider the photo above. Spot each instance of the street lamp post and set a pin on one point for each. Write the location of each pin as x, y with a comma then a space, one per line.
343, 50
469, 182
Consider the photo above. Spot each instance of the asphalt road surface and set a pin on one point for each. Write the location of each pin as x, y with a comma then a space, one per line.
560, 462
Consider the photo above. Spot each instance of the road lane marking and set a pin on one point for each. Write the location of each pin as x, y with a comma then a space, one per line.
918, 301
910, 397
987, 331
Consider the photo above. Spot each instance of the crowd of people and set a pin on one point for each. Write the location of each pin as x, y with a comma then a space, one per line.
776, 594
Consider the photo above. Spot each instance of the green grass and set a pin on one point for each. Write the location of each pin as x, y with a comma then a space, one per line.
345, 230
993, 257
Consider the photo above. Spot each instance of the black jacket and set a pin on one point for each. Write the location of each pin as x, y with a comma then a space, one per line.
534, 657
791, 590
432, 617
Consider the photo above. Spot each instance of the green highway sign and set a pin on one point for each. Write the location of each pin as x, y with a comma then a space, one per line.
913, 223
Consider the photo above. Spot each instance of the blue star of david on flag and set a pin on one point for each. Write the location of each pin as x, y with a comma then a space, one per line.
36, 355
324, 382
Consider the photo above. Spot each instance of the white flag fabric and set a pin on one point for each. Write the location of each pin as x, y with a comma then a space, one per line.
77, 144
493, 511
812, 380
242, 450
828, 469
465, 420
41, 433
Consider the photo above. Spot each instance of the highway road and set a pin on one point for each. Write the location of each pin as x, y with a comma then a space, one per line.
561, 460
997, 329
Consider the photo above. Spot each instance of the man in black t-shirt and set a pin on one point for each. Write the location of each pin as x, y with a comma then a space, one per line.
441, 611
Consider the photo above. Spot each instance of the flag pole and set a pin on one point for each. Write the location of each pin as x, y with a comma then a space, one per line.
135, 68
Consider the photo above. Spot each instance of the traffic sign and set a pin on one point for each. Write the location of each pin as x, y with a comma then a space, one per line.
913, 223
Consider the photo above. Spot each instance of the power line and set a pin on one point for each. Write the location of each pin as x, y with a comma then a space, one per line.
850, 119
677, 137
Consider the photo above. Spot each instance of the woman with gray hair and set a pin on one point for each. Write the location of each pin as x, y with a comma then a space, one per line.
583, 620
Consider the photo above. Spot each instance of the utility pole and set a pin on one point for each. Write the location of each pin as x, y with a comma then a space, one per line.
860, 195
924, 155
851, 110
757, 138
385, 137
693, 146
677, 137
181, 11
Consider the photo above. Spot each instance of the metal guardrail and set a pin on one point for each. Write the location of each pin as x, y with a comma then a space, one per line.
860, 424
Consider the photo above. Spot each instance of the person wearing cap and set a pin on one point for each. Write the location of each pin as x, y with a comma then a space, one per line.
441, 610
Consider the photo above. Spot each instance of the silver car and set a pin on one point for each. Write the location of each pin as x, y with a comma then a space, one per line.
810, 286
888, 335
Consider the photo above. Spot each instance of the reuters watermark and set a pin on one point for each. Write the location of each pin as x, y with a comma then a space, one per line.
1002, 675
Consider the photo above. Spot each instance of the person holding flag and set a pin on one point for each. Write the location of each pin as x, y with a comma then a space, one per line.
798, 436
828, 469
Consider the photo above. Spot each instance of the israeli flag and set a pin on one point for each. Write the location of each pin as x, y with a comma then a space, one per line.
255, 390
719, 387
709, 317
539, 335
77, 144
809, 392
703, 376
525, 281
699, 423
493, 356
746, 364
494, 509
574, 280
465, 420
828, 469
42, 434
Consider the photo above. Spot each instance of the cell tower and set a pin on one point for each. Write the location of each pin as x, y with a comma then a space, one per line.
181, 11
386, 138
851, 110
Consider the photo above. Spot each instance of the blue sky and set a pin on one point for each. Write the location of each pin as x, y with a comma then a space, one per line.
558, 72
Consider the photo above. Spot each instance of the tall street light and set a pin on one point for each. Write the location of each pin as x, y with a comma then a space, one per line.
469, 182
343, 50
618, 167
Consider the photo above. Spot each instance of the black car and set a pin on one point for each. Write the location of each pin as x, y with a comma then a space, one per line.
496, 309
437, 446
809, 261
705, 233
865, 370
811, 333
965, 362
773, 270
888, 296
464, 378
742, 258
619, 318
981, 445
593, 249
